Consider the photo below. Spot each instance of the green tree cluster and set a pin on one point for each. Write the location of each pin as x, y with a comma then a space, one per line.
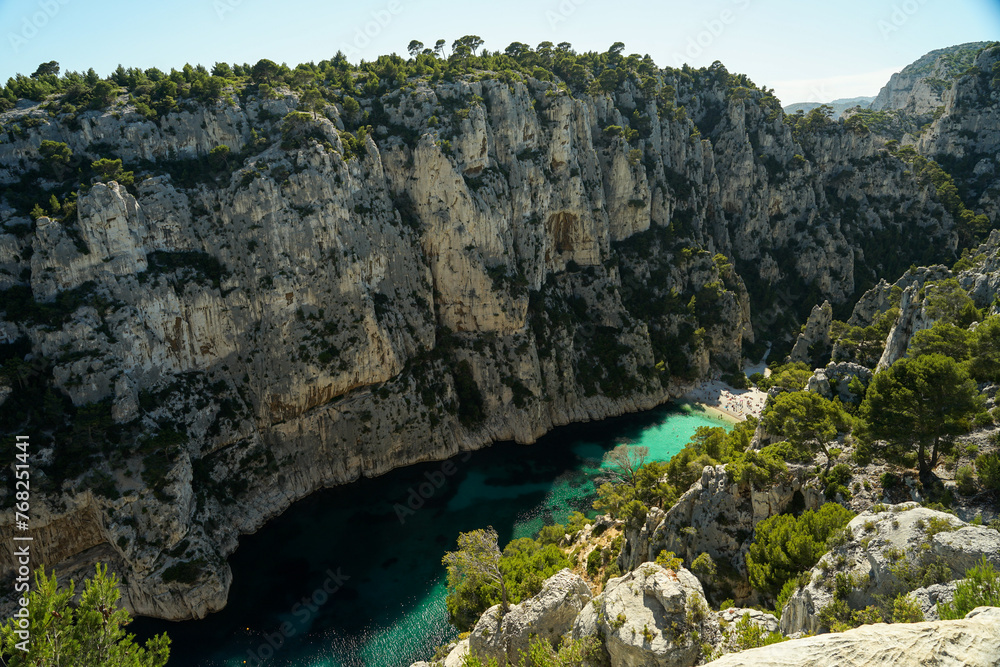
792, 376
977, 350
785, 546
924, 401
480, 575
91, 632
809, 421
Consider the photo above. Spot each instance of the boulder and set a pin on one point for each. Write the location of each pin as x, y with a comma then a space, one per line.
765, 621
928, 598
548, 615
971, 642
456, 658
730, 617
651, 617
835, 380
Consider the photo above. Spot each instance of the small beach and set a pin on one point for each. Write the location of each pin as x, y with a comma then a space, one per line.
725, 402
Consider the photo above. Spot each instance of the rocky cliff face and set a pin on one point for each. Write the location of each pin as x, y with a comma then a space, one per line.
947, 105
911, 304
716, 516
921, 87
493, 260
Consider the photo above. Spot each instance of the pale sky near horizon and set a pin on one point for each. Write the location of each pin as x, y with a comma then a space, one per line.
806, 51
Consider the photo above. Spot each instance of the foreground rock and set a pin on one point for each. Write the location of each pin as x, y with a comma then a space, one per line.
887, 553
548, 615
728, 620
652, 616
971, 642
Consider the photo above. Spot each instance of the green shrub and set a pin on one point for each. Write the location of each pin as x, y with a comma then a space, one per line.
760, 468
470, 660
572, 652
784, 546
787, 591
979, 588
835, 481
746, 634
937, 525
889, 480
966, 480
736, 380
906, 610
577, 521
594, 561
988, 470
669, 560
111, 170
551, 534
704, 568
838, 616
792, 376
634, 513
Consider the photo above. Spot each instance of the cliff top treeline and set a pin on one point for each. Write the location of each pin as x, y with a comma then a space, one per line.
156, 92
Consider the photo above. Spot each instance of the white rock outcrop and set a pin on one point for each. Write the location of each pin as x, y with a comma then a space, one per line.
715, 516
651, 617
548, 616
971, 642
882, 555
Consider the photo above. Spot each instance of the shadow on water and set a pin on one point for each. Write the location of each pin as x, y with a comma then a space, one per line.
352, 576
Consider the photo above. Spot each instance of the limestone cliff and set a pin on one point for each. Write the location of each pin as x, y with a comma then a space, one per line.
492, 260
947, 106
921, 87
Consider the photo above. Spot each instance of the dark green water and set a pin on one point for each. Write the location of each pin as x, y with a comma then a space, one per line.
346, 578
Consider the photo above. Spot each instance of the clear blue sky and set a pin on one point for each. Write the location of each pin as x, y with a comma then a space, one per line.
806, 50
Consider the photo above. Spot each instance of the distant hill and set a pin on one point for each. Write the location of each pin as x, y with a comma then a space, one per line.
839, 106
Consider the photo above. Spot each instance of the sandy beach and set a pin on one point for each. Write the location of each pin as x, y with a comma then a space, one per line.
719, 398
709, 411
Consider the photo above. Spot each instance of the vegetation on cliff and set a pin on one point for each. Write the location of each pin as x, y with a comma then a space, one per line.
61, 632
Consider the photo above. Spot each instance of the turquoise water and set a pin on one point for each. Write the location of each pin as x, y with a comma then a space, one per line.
352, 576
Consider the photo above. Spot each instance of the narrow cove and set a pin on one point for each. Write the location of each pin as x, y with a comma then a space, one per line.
352, 576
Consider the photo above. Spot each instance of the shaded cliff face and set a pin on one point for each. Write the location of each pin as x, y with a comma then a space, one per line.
493, 260
947, 106
965, 137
